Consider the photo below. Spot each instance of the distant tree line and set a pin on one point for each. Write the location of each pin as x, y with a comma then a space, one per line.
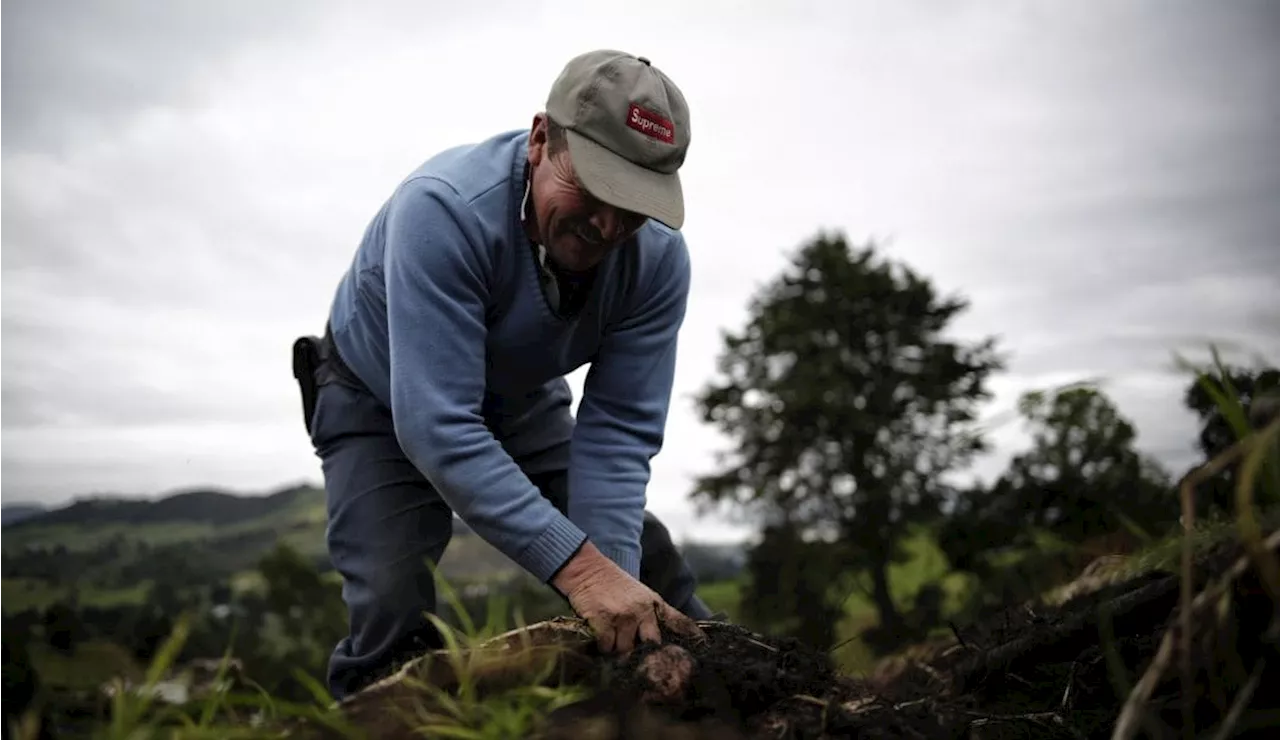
203, 506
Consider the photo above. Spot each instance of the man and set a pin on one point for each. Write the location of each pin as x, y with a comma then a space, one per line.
491, 272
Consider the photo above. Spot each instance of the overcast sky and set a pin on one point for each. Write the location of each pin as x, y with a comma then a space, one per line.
184, 183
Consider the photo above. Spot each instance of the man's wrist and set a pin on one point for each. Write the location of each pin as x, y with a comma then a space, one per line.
578, 568
553, 579
626, 558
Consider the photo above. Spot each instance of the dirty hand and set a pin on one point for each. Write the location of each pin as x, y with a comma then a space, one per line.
617, 607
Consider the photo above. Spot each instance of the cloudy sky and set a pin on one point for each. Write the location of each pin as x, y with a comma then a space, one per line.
184, 182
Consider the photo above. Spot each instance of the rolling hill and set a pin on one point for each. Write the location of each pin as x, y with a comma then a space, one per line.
14, 513
106, 549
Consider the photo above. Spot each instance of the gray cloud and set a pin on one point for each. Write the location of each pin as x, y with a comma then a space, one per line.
185, 183
70, 67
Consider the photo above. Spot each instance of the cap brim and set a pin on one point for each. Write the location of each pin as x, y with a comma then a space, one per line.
625, 184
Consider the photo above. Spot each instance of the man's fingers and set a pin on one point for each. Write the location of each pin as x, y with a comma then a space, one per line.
606, 635
626, 640
649, 630
625, 613
605, 640
680, 623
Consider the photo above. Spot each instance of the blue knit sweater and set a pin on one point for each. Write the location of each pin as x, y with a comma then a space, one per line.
443, 316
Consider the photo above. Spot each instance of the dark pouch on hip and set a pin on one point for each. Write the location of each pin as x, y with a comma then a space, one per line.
306, 361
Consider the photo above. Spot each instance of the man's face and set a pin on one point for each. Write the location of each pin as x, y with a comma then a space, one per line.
577, 229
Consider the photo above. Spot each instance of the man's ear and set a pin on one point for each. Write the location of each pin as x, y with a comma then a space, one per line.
538, 139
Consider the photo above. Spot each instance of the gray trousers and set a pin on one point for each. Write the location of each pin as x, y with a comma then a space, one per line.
386, 523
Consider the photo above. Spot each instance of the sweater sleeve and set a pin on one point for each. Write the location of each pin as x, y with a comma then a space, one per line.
437, 273
622, 416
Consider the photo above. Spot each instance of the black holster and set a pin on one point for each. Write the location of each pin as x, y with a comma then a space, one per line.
316, 362
307, 358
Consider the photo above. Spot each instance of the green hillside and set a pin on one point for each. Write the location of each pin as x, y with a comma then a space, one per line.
106, 551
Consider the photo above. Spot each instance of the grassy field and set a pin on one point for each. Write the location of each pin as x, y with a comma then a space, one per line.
85, 537
21, 594
87, 667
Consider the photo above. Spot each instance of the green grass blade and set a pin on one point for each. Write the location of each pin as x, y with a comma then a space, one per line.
1250, 529
318, 692
1226, 398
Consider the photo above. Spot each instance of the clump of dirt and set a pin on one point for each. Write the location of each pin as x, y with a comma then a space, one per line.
736, 674
1110, 659
719, 686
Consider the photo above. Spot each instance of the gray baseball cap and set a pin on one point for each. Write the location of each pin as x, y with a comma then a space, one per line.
627, 126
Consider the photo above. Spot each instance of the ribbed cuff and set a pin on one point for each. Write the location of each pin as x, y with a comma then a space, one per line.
627, 558
550, 551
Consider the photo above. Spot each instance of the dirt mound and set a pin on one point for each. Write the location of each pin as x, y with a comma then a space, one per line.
1112, 662
721, 687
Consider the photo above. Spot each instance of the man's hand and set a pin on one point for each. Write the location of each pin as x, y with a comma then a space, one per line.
618, 608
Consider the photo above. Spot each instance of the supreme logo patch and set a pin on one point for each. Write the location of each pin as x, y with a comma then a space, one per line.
651, 124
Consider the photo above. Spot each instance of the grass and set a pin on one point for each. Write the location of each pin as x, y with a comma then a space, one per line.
1257, 493
248, 581
80, 537
137, 713
21, 594
924, 565
88, 667
723, 596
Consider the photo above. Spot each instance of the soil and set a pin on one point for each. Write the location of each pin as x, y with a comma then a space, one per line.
1024, 672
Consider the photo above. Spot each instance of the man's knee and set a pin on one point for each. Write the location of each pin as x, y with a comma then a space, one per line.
399, 585
385, 542
387, 601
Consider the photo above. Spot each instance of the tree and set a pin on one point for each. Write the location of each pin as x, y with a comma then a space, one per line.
1254, 388
1083, 475
1082, 478
846, 405
1258, 394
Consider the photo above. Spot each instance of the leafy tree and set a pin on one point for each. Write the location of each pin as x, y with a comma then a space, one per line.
1082, 478
846, 404
1251, 386
1258, 393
